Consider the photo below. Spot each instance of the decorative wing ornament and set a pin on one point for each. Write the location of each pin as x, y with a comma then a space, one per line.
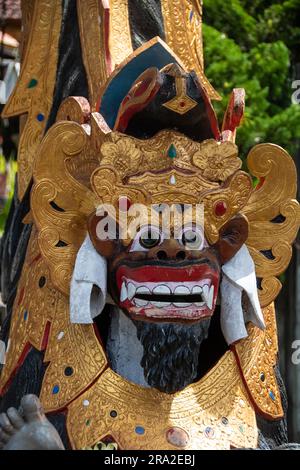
273, 215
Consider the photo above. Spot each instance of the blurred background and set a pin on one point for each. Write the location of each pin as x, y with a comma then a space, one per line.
253, 44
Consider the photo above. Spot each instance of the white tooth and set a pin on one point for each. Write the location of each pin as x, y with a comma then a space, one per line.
211, 297
205, 293
140, 302
199, 304
143, 290
198, 290
182, 290
123, 294
131, 290
160, 304
162, 289
182, 304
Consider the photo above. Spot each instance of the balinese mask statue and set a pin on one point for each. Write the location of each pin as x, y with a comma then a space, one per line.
154, 259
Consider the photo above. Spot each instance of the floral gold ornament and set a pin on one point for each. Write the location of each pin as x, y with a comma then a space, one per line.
39, 64
217, 161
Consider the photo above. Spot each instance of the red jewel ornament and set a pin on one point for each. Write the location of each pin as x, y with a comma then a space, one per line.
124, 203
220, 208
182, 104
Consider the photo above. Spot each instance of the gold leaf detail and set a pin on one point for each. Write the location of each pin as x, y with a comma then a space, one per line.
123, 155
217, 161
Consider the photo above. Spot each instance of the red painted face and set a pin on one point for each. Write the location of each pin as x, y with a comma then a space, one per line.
163, 292
157, 279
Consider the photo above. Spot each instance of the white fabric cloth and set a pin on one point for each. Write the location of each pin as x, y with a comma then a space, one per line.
2, 352
124, 349
88, 294
238, 289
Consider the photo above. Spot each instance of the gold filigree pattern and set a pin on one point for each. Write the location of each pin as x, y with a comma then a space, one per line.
273, 214
217, 162
234, 195
183, 29
120, 45
65, 229
39, 64
28, 325
79, 350
41, 319
257, 356
91, 16
123, 155
215, 413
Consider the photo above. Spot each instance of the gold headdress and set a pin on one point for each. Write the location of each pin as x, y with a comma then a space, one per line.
88, 165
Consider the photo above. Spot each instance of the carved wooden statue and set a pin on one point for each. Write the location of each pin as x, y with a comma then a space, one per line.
140, 263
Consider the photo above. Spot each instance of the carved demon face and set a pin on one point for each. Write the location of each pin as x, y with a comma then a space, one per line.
165, 279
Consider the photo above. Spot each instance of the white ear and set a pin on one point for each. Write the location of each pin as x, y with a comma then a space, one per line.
238, 277
88, 285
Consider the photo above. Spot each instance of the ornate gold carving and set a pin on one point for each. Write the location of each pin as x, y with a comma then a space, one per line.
120, 45
235, 194
37, 304
143, 170
257, 356
198, 410
78, 349
69, 184
273, 214
40, 64
102, 446
32, 310
123, 155
27, 7
181, 103
91, 16
62, 227
183, 29
217, 161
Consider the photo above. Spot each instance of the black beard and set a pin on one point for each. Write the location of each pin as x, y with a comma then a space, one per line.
171, 353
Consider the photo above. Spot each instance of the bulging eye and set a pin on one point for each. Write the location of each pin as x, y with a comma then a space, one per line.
148, 237
193, 238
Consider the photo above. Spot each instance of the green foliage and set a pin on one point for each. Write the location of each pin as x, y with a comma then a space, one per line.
253, 45
11, 168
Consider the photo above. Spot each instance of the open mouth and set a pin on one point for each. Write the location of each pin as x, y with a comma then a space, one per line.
168, 299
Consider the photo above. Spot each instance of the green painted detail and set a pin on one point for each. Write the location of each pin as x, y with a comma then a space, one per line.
33, 82
172, 152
